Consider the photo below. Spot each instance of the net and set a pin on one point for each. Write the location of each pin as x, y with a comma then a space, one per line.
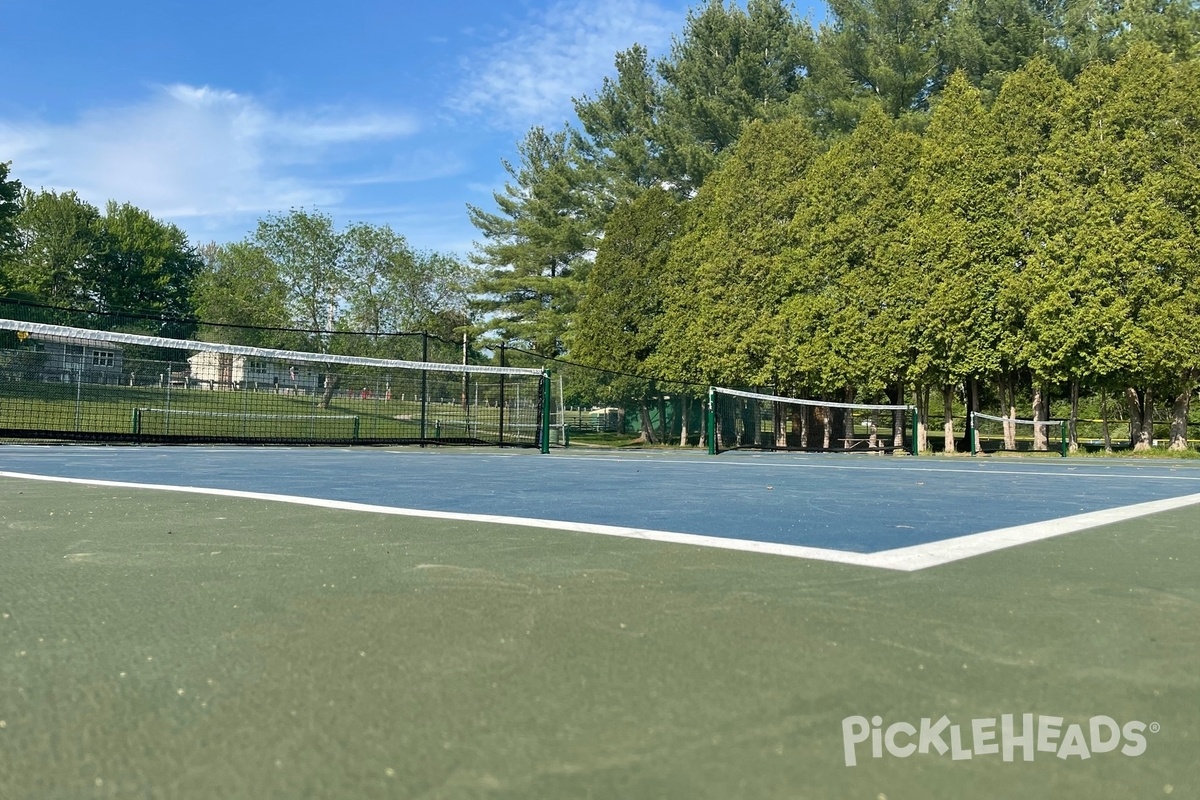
66, 383
751, 420
990, 434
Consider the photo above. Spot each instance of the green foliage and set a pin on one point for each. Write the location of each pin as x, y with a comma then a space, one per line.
674, 124
123, 259
537, 247
61, 248
617, 325
240, 286
844, 315
1116, 210
884, 49
147, 265
10, 208
300, 271
990, 39
725, 281
955, 259
624, 140
729, 67
1050, 238
307, 253
392, 287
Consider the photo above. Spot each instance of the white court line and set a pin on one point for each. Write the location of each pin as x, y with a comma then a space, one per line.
898, 468
903, 559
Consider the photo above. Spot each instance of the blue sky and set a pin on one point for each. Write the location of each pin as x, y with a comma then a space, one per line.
213, 114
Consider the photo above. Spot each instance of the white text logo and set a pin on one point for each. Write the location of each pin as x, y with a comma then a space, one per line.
1028, 735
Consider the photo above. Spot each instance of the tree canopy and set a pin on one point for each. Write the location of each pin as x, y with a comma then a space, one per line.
867, 204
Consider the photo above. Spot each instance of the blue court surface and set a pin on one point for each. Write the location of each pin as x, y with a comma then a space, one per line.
842, 503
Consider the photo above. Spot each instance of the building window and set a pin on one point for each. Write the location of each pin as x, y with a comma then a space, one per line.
103, 358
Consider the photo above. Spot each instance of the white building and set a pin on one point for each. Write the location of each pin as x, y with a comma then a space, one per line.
226, 371
67, 360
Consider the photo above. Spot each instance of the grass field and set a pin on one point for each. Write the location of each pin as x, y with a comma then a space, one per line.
163, 645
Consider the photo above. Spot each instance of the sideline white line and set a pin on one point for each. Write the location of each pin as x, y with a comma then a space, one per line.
795, 551
965, 470
904, 559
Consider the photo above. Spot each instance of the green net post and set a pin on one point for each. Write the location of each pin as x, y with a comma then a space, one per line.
1063, 429
500, 435
355, 434
424, 385
545, 428
137, 422
712, 421
916, 423
971, 430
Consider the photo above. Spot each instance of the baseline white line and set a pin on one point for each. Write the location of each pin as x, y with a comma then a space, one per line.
932, 554
903, 559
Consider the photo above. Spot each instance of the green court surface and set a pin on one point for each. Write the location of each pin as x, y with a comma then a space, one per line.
161, 645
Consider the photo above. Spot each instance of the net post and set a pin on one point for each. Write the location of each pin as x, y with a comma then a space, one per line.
971, 430
545, 426
500, 434
137, 422
356, 423
424, 383
712, 421
916, 422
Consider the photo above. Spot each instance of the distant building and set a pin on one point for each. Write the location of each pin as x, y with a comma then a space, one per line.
226, 371
66, 360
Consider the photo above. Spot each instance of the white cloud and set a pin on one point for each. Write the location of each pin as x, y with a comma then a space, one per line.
190, 151
530, 77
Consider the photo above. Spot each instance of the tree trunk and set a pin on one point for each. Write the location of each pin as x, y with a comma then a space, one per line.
800, 424
921, 401
1141, 418
779, 412
1008, 410
898, 421
685, 411
331, 386
647, 434
948, 418
826, 427
1179, 417
1039, 415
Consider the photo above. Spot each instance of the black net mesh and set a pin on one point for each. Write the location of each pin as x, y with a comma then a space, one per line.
69, 383
750, 420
